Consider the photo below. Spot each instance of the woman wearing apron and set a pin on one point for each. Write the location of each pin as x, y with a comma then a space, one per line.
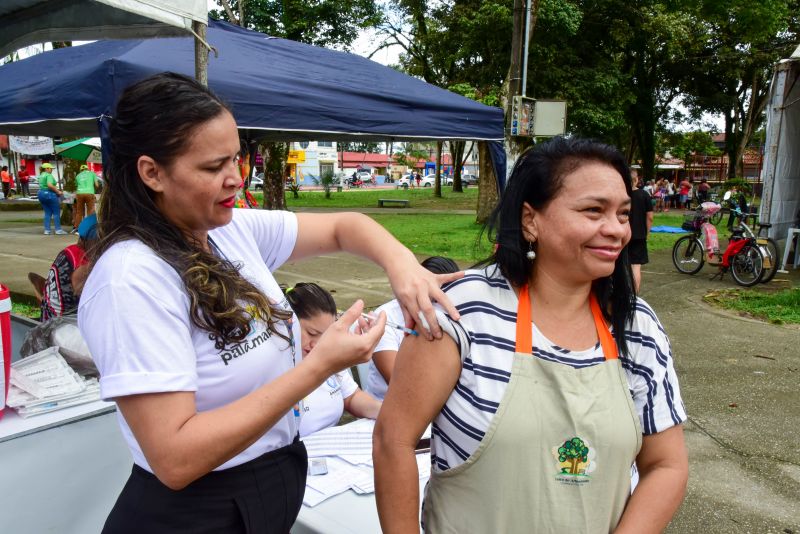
556, 380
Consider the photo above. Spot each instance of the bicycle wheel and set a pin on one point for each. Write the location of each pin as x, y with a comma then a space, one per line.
687, 255
747, 267
772, 258
717, 217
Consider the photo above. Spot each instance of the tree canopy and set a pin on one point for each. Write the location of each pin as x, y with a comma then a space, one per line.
329, 23
622, 66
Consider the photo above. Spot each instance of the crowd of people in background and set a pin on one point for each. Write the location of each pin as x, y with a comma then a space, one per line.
680, 193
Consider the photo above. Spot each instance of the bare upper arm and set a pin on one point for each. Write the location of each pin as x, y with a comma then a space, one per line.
425, 373
663, 449
155, 419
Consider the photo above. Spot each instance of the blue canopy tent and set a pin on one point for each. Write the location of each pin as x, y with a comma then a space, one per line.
277, 89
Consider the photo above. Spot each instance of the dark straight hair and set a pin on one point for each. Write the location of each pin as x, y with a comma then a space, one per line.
308, 299
537, 178
440, 265
156, 117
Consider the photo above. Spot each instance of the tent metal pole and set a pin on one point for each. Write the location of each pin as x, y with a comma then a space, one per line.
200, 53
525, 53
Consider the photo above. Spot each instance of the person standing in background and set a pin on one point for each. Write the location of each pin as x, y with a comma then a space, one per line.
23, 177
641, 220
86, 181
6, 177
50, 198
702, 191
684, 190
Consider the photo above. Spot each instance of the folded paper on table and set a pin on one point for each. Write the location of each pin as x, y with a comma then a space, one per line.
348, 451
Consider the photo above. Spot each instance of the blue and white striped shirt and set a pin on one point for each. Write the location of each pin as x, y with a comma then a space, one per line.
485, 336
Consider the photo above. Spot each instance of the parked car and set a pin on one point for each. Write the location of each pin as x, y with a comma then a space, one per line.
33, 187
404, 181
428, 181
469, 179
257, 182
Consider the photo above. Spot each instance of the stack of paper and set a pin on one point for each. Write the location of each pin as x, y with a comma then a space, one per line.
347, 450
44, 382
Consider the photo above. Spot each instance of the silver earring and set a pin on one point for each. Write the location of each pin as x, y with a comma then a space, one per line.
531, 254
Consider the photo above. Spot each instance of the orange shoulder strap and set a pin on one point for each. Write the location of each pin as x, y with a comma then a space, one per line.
524, 342
606, 339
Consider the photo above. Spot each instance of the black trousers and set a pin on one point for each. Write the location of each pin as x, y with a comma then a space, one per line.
261, 496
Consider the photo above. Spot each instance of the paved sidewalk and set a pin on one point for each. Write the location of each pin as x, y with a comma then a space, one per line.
739, 378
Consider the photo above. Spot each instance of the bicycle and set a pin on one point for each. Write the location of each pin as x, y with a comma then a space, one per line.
769, 247
742, 257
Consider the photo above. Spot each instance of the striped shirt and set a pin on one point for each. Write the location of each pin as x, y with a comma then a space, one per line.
485, 336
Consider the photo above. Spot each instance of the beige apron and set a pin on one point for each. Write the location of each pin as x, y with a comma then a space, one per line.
557, 455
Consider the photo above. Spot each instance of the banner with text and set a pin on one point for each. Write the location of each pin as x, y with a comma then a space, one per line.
31, 145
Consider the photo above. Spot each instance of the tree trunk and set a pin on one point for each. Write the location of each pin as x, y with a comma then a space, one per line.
487, 185
574, 469
759, 95
457, 153
389, 150
274, 155
437, 184
730, 146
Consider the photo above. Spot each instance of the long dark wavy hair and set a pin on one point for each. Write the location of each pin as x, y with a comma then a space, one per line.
537, 178
156, 117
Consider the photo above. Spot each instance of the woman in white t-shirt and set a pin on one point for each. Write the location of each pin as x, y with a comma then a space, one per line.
316, 310
190, 331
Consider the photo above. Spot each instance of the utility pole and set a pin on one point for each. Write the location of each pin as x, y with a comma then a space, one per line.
524, 23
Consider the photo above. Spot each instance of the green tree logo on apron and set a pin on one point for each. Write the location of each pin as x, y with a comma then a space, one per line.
575, 453
575, 460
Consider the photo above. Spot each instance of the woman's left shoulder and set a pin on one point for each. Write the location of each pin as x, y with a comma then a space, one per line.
644, 316
646, 335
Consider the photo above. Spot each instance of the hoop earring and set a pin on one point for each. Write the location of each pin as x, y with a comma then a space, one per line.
531, 254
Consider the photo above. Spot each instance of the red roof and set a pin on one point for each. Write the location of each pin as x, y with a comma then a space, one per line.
355, 159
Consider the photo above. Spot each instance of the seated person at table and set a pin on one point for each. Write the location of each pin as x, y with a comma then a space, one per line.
382, 363
316, 309
67, 275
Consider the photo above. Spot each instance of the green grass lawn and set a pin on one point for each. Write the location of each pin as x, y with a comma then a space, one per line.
26, 310
777, 307
656, 241
451, 235
368, 198
444, 234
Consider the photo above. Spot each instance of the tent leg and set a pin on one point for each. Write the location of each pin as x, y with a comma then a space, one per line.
200, 53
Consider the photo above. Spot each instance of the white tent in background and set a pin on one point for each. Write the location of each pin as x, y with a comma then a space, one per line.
26, 22
780, 200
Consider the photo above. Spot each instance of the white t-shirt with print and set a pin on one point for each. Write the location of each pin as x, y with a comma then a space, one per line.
391, 339
134, 316
325, 405
485, 336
